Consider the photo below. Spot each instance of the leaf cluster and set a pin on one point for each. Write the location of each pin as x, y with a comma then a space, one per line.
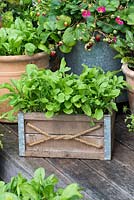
63, 21
19, 39
61, 24
10, 9
93, 92
125, 48
130, 122
38, 188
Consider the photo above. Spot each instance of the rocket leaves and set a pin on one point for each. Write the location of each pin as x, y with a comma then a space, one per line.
38, 188
92, 93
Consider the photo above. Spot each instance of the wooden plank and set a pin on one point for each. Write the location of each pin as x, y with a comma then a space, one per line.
65, 148
116, 173
62, 127
41, 116
11, 164
122, 134
65, 154
124, 155
89, 178
70, 145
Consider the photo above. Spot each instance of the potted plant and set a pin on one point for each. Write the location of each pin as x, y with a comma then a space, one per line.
19, 45
125, 49
82, 30
78, 99
38, 187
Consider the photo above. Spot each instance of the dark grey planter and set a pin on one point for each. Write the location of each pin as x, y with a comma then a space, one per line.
101, 55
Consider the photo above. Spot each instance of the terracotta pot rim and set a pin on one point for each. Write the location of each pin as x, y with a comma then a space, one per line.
22, 57
127, 71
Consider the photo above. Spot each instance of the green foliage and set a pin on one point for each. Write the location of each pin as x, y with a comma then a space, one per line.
61, 25
125, 48
38, 188
21, 38
10, 9
130, 122
69, 26
93, 92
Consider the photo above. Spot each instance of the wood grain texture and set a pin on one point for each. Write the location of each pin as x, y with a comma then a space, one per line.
122, 134
41, 116
101, 180
65, 136
70, 128
90, 178
11, 164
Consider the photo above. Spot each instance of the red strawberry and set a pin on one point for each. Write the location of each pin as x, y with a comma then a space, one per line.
53, 53
98, 38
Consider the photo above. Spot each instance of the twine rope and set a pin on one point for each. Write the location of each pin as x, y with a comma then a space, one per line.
64, 137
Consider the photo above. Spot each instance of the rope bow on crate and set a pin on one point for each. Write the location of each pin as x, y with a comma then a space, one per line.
64, 137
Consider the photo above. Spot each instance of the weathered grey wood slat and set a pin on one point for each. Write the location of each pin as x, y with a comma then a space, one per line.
90, 179
117, 174
11, 164
67, 129
101, 180
40, 116
124, 155
122, 134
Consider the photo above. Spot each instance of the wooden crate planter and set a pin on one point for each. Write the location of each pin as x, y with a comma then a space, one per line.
64, 136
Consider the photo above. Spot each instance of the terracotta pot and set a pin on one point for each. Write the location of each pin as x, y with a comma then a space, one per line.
12, 67
130, 80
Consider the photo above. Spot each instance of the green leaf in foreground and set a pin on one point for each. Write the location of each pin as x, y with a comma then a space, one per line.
71, 191
8, 196
39, 175
98, 114
38, 188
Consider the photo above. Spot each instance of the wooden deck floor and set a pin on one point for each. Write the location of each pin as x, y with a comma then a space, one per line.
101, 180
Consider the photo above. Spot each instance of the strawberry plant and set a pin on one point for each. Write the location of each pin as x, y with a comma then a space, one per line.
93, 92
87, 21
67, 22
38, 188
125, 48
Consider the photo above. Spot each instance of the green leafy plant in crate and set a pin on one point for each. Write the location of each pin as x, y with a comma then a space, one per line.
92, 93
